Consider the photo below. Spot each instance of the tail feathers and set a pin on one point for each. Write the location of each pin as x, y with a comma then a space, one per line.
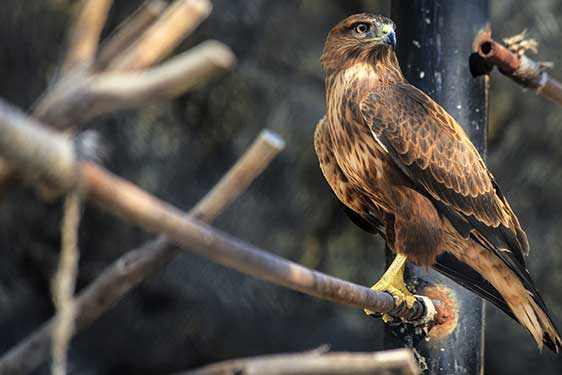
539, 325
485, 274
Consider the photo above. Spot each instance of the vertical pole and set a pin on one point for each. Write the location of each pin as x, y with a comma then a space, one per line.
435, 40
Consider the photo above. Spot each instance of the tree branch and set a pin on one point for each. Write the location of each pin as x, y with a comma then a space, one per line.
138, 264
177, 22
86, 32
75, 103
399, 362
133, 204
86, 89
129, 30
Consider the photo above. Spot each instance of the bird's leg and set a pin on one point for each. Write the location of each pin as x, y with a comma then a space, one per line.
392, 282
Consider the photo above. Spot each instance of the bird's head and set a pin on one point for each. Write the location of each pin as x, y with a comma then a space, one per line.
359, 36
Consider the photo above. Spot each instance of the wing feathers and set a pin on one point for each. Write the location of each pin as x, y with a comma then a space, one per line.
433, 150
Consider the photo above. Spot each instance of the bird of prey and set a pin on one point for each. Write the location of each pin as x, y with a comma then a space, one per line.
404, 168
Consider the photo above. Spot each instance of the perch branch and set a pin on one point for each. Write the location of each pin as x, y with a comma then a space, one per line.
133, 204
138, 264
86, 32
99, 94
398, 362
129, 30
517, 66
177, 22
155, 216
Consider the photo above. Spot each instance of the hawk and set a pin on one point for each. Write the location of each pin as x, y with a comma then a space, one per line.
404, 168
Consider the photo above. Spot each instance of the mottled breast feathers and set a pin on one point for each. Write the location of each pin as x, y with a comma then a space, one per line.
429, 146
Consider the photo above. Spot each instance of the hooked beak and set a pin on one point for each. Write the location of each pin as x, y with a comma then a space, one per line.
390, 39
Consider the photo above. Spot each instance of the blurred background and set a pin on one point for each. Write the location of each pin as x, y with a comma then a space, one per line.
195, 312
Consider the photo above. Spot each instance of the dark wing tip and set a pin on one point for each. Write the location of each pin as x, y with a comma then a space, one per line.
553, 343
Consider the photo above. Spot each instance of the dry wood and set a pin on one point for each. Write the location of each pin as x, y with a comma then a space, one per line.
82, 93
398, 362
86, 32
52, 161
136, 265
239, 177
64, 283
177, 22
129, 30
75, 103
133, 204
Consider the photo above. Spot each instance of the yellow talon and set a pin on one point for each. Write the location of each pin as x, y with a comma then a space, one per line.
393, 282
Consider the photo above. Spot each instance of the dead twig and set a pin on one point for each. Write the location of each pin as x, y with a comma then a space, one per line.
74, 103
87, 89
136, 265
64, 282
177, 22
513, 63
399, 362
86, 32
129, 30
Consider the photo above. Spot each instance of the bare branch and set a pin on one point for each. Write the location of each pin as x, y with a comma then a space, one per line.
133, 204
138, 264
399, 362
86, 32
239, 177
177, 22
78, 102
129, 30
52, 161
64, 282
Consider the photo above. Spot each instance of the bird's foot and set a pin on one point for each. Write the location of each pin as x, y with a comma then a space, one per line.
392, 282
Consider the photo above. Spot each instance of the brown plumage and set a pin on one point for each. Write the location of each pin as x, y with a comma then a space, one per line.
403, 167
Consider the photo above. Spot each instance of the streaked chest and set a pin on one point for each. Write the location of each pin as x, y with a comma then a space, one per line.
355, 149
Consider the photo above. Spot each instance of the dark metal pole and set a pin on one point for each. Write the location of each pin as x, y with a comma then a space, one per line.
435, 40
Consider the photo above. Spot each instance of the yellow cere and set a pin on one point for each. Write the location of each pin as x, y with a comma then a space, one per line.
386, 29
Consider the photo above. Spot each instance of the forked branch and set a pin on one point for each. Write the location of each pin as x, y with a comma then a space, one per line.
138, 264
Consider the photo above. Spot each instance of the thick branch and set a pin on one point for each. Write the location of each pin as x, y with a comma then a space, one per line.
136, 265
133, 204
239, 177
86, 32
399, 362
129, 30
177, 22
52, 161
75, 103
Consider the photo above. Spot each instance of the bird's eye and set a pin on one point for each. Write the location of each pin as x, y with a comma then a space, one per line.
361, 28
